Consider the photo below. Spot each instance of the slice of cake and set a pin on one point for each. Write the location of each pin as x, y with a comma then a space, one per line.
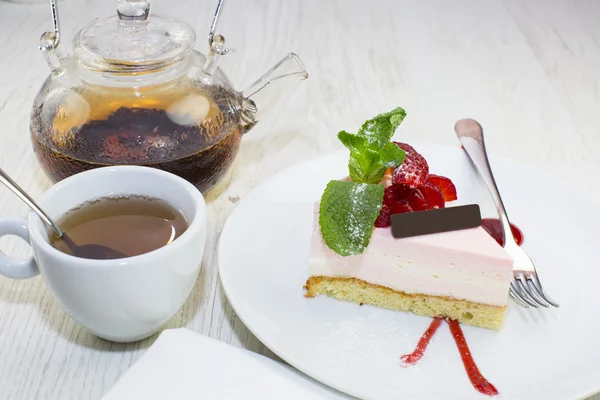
462, 275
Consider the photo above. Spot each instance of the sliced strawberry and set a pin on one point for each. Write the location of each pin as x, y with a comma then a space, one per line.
389, 195
383, 220
402, 193
413, 197
398, 199
385, 215
433, 195
400, 207
445, 185
413, 171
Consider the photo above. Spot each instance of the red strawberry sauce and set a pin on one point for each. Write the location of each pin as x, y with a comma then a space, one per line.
493, 227
416, 355
479, 382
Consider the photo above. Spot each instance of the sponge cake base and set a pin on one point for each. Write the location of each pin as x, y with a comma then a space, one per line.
361, 292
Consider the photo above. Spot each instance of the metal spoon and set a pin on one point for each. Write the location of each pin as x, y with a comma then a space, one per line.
93, 251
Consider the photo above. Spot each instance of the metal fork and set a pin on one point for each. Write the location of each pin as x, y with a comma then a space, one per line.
525, 288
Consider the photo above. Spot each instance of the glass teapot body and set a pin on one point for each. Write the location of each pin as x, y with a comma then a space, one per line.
182, 123
136, 92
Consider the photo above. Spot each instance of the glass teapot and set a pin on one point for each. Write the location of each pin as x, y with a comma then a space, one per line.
134, 91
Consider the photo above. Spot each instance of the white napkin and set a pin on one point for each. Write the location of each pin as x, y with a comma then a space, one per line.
182, 365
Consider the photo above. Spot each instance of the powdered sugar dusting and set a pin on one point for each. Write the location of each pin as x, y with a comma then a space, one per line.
354, 228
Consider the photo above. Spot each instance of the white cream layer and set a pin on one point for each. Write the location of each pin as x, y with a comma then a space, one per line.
466, 264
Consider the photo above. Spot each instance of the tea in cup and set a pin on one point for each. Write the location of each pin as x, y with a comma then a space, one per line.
156, 219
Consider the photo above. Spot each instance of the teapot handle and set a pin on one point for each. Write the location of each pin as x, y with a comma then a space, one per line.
216, 44
50, 40
213, 25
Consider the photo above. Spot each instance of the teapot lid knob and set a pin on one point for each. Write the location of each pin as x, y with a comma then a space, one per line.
133, 10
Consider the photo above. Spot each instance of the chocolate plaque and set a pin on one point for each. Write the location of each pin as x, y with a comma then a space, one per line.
435, 221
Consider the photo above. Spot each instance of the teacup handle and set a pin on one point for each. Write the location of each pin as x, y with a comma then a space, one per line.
9, 267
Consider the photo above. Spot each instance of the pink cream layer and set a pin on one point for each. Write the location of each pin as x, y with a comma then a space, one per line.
466, 264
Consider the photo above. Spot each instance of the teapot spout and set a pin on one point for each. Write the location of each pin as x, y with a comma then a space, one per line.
269, 90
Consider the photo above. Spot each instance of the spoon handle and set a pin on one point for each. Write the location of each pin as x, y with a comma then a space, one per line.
16, 189
470, 134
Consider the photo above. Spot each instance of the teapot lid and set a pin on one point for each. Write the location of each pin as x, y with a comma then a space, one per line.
133, 41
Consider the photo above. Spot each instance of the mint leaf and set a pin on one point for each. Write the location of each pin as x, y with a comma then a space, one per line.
380, 129
352, 141
391, 155
365, 166
347, 215
365, 162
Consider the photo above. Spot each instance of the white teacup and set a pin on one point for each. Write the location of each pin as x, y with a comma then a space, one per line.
121, 300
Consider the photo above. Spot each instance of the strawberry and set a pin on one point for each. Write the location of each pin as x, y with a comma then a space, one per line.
412, 188
401, 198
389, 195
445, 185
398, 199
385, 215
383, 220
413, 197
413, 171
433, 195
401, 206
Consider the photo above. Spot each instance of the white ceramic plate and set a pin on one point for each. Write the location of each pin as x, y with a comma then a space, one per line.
539, 354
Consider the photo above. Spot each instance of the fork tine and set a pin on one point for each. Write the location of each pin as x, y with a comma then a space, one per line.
534, 293
517, 293
534, 281
516, 299
520, 295
525, 292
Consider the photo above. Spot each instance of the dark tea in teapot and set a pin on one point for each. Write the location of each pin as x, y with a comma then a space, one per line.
188, 132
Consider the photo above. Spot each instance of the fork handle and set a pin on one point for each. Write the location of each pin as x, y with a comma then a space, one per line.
470, 134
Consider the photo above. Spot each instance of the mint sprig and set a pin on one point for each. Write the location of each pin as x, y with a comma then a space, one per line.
371, 151
348, 210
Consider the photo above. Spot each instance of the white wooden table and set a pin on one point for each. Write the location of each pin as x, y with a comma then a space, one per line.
528, 70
